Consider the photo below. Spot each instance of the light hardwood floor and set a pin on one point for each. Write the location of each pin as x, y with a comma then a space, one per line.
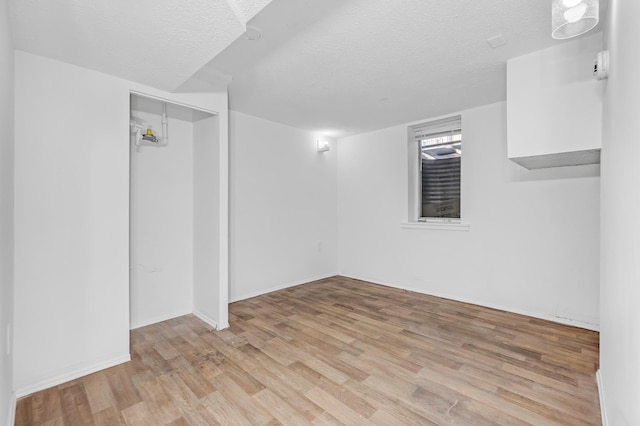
340, 351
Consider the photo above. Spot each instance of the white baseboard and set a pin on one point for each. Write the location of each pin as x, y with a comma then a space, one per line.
12, 410
603, 407
559, 320
206, 318
158, 319
70, 375
276, 288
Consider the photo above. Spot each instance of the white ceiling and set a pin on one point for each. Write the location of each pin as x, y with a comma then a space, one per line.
348, 66
339, 66
160, 43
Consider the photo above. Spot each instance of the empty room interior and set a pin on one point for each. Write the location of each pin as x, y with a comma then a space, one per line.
320, 212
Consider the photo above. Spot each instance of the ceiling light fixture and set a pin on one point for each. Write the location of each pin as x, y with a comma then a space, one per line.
571, 18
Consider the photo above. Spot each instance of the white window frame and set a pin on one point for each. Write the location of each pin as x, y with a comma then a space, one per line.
414, 217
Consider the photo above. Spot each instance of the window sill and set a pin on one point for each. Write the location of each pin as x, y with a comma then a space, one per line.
441, 226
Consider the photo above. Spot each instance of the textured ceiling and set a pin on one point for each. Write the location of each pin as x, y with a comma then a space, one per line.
348, 66
339, 66
160, 43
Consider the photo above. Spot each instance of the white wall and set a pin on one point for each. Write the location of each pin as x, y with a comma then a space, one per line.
533, 242
620, 268
283, 207
206, 216
6, 214
71, 240
161, 232
72, 217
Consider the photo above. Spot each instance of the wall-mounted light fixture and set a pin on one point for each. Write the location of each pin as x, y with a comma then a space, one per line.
571, 18
323, 145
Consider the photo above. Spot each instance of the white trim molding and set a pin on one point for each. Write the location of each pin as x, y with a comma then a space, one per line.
159, 319
12, 409
278, 287
71, 375
210, 321
440, 226
603, 406
546, 317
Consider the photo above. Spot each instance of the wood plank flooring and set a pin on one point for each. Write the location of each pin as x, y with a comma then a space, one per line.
340, 351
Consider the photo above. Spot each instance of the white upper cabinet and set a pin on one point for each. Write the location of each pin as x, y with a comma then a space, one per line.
554, 105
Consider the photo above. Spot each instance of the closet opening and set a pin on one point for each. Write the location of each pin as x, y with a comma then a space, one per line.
174, 218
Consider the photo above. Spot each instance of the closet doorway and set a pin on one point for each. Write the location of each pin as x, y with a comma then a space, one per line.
174, 212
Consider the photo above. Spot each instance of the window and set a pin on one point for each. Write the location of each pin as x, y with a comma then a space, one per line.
439, 154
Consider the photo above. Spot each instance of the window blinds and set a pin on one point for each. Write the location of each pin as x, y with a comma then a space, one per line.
439, 176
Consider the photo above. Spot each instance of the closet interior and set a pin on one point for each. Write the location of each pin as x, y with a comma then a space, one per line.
174, 211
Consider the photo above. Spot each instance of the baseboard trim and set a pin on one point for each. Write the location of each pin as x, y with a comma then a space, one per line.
159, 319
210, 321
279, 287
70, 375
559, 320
603, 407
12, 409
